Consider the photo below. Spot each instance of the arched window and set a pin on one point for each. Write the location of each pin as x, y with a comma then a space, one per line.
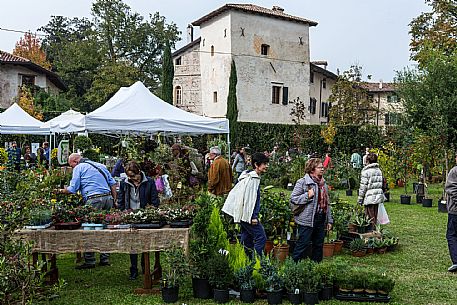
178, 95
212, 50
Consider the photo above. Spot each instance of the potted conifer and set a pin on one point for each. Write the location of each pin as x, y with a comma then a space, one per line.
273, 281
292, 276
220, 276
245, 280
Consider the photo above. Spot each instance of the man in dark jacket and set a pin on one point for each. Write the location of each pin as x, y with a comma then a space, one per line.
136, 192
451, 234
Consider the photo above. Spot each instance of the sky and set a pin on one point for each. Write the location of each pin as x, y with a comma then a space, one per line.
370, 33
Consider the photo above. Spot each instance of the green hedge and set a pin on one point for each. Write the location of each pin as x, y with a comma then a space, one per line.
263, 136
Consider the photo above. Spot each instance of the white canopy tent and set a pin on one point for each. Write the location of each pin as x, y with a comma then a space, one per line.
136, 110
68, 122
15, 120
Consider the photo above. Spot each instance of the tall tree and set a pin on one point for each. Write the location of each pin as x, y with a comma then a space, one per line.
350, 102
167, 75
27, 103
232, 103
434, 32
29, 47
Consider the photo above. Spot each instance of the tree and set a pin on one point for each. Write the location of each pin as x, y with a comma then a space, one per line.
232, 103
167, 75
29, 47
434, 32
27, 103
350, 102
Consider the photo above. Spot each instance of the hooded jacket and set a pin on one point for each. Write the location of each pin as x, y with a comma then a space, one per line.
370, 191
147, 189
451, 191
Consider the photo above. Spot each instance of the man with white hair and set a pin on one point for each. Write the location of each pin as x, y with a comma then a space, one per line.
98, 189
219, 174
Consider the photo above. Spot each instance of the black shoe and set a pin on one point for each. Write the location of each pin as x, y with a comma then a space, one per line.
104, 264
133, 276
453, 268
85, 266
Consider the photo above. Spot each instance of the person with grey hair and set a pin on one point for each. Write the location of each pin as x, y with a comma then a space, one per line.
98, 189
219, 174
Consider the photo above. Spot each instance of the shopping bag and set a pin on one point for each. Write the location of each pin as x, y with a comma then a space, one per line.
383, 218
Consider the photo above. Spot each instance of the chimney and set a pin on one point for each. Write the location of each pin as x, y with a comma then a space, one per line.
190, 33
277, 8
322, 63
380, 84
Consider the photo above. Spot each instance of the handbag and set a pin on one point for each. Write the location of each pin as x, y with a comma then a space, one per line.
383, 218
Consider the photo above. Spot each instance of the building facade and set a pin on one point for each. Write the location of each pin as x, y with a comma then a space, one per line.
271, 51
386, 102
16, 72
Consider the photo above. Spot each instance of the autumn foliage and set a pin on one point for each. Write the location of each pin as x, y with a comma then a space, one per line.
27, 103
29, 47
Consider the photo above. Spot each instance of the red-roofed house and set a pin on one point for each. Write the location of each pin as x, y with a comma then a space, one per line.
386, 101
16, 71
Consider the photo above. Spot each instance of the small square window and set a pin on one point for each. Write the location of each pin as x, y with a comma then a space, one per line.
264, 49
215, 97
178, 61
28, 81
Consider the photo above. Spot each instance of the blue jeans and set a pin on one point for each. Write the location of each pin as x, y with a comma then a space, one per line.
451, 236
101, 203
253, 237
311, 236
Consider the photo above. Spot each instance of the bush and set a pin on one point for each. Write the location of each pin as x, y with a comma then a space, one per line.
82, 143
175, 267
270, 273
220, 275
292, 275
244, 277
311, 278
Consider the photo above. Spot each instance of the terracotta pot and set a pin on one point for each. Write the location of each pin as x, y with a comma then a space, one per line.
328, 249
268, 246
360, 253
281, 252
338, 246
370, 250
382, 250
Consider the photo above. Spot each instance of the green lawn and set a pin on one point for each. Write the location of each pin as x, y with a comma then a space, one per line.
418, 266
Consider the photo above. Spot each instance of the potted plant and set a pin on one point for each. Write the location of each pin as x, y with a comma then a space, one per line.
66, 218
329, 246
361, 221
280, 249
311, 282
148, 218
181, 217
93, 219
293, 280
245, 280
175, 269
40, 218
273, 281
327, 271
220, 276
380, 245
358, 247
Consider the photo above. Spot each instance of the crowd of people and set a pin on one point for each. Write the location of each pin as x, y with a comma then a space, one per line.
25, 158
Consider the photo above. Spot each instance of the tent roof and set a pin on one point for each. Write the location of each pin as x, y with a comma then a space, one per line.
69, 121
15, 120
136, 109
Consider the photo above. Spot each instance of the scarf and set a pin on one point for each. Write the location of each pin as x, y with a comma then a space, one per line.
322, 196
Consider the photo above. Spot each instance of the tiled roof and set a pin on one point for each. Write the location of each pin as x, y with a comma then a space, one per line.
327, 73
275, 12
8, 58
379, 87
186, 47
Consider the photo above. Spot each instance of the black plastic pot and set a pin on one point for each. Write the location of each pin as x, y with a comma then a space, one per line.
442, 207
349, 192
310, 298
202, 289
405, 199
326, 293
427, 202
247, 295
274, 297
221, 295
170, 295
294, 298
419, 198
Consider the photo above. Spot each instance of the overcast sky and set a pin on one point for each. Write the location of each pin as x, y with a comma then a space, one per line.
371, 33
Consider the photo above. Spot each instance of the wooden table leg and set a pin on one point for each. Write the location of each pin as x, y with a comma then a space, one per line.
147, 283
157, 273
45, 260
54, 271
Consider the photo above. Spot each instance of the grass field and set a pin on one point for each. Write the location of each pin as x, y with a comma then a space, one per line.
419, 266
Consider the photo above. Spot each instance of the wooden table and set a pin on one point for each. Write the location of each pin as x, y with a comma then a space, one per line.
53, 242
